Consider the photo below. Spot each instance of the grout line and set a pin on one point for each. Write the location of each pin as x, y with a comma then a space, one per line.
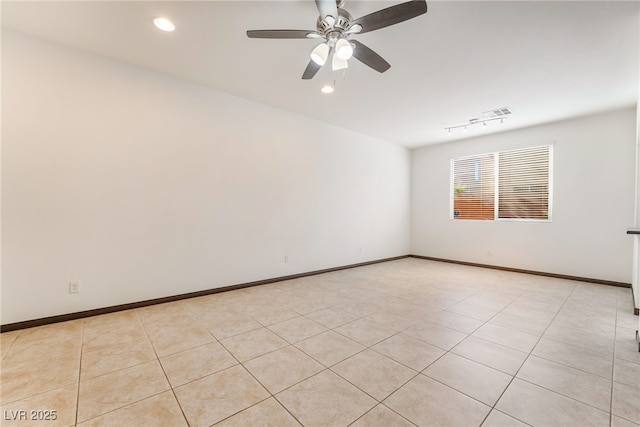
527, 358
80, 371
144, 328
613, 362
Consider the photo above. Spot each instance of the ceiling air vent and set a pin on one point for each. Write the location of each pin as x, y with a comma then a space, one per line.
500, 112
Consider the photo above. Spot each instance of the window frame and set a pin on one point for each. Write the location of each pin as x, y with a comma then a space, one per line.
496, 183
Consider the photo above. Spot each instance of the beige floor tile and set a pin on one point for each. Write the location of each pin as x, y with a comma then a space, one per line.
268, 413
35, 350
617, 421
159, 410
496, 356
581, 337
297, 329
329, 347
331, 317
117, 389
393, 321
6, 341
475, 311
586, 360
626, 372
168, 340
213, 398
381, 416
626, 346
53, 408
424, 401
535, 405
195, 363
162, 315
24, 379
229, 325
499, 419
373, 373
283, 368
104, 323
53, 333
507, 337
98, 341
325, 400
271, 315
115, 357
523, 324
455, 321
410, 352
571, 382
254, 343
365, 332
626, 401
469, 377
431, 333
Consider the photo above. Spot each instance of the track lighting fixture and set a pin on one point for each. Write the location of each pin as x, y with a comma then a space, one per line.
471, 123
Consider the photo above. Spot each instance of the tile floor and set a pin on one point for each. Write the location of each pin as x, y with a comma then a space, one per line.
402, 343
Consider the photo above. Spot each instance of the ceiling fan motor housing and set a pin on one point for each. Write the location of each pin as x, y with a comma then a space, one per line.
328, 25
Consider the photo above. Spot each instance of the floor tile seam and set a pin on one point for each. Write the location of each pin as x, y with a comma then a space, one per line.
381, 404
125, 406
397, 361
578, 347
165, 373
340, 361
572, 367
613, 362
79, 374
458, 330
231, 336
564, 395
378, 401
624, 418
481, 363
508, 415
46, 390
528, 354
300, 340
271, 396
464, 393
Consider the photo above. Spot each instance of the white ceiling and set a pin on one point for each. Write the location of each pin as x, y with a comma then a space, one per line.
547, 60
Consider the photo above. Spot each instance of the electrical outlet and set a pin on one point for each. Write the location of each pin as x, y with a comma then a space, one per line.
74, 287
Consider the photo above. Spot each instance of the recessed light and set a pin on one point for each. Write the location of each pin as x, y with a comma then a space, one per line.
327, 89
164, 24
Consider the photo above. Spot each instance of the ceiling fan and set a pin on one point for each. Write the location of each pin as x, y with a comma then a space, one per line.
335, 26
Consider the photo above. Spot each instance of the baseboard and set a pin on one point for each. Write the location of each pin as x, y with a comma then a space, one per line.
536, 273
138, 304
115, 308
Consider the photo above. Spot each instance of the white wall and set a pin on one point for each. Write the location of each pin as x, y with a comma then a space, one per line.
593, 202
142, 185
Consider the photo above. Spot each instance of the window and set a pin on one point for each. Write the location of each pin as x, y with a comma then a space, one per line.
512, 185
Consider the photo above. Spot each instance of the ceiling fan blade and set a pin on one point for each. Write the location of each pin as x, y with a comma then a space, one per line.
327, 8
369, 57
281, 34
390, 16
311, 70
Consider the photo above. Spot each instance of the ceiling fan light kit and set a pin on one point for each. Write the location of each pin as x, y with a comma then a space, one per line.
335, 25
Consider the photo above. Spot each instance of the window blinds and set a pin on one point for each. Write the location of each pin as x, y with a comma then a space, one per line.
504, 185
523, 177
474, 187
